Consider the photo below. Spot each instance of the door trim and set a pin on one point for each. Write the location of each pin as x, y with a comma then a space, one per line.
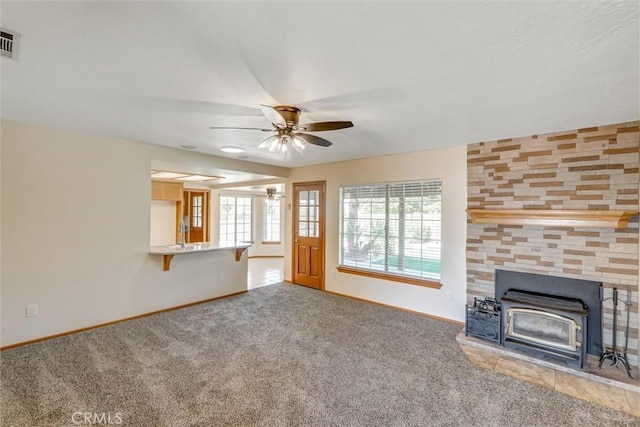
323, 222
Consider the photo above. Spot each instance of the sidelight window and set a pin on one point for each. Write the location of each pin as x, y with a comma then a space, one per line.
196, 211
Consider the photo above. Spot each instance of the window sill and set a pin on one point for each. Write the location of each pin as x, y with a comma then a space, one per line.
271, 243
392, 277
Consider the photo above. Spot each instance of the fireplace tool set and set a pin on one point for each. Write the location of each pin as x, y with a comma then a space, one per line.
613, 354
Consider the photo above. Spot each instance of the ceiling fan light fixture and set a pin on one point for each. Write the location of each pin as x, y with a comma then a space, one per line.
272, 199
298, 144
274, 144
284, 119
283, 142
284, 147
267, 142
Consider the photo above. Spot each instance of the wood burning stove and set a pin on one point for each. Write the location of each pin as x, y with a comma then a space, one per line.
549, 317
545, 326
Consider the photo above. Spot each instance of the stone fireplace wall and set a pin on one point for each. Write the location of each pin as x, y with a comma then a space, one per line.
591, 168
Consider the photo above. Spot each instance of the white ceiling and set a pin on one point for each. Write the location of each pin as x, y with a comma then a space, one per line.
410, 75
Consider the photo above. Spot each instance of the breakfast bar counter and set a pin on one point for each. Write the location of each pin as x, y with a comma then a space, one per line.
169, 251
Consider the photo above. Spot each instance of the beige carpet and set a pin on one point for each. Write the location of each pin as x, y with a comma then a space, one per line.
281, 355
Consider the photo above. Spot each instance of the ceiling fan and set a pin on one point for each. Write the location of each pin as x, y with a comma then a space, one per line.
284, 119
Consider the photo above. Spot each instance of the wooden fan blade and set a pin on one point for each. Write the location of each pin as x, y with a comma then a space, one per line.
234, 128
274, 116
320, 126
315, 140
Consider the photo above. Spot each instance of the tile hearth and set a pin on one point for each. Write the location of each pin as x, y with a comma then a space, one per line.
608, 386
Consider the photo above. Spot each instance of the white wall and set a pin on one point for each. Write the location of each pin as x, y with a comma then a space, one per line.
449, 164
163, 223
259, 249
75, 223
215, 215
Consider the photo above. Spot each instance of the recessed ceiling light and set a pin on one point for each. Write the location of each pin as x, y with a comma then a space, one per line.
232, 149
189, 147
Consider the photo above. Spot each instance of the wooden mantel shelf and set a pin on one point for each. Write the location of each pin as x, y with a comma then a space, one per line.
552, 218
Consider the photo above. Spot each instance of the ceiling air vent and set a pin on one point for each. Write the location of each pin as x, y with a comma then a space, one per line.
8, 44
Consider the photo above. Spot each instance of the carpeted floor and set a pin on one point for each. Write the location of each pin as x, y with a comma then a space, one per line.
281, 355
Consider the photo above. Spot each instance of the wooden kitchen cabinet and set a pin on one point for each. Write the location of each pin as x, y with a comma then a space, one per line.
166, 190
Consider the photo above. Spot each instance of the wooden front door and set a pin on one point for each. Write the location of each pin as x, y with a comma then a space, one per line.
196, 208
308, 234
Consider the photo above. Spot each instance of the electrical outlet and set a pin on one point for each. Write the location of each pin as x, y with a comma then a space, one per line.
32, 310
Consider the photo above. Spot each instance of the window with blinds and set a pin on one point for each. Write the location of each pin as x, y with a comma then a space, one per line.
392, 228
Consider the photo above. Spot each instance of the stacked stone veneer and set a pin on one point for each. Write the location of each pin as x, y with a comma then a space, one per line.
591, 168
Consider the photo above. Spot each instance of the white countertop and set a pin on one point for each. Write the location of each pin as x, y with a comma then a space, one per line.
195, 247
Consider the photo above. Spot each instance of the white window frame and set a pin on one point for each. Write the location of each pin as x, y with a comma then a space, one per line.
271, 221
241, 228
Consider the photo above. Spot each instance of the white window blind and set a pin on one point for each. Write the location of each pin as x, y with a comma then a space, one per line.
392, 228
